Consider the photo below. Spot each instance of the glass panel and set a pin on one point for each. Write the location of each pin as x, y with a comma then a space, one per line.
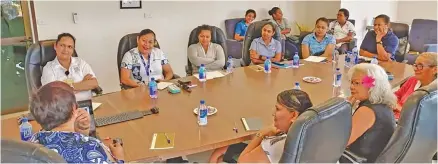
12, 19
13, 80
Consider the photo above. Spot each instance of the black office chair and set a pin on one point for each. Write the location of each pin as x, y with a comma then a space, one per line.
217, 36
254, 31
13, 151
401, 30
37, 57
415, 137
127, 43
320, 134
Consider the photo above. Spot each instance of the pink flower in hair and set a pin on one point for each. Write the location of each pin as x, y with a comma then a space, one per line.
368, 81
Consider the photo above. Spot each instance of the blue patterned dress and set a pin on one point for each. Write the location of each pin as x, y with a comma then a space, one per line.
74, 147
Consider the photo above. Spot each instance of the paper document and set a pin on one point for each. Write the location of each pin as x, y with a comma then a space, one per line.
212, 75
163, 85
96, 105
365, 58
163, 141
315, 59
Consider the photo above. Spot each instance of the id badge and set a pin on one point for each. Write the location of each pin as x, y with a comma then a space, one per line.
69, 81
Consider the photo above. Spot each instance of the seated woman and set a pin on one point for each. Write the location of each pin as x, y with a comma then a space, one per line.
343, 30
282, 23
381, 43
242, 26
205, 52
319, 43
265, 46
267, 146
54, 108
373, 122
144, 62
425, 73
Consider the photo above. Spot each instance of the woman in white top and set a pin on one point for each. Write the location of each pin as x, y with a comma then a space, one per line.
281, 22
205, 52
268, 145
144, 62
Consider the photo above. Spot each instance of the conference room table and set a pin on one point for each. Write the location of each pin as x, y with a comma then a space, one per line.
243, 93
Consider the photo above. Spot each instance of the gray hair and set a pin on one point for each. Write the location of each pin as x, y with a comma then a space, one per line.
431, 57
381, 93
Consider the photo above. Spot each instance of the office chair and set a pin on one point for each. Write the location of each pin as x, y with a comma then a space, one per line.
320, 134
255, 31
217, 36
415, 137
401, 30
37, 57
422, 38
127, 43
234, 47
13, 151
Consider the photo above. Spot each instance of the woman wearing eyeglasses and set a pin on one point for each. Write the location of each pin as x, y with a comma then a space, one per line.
425, 73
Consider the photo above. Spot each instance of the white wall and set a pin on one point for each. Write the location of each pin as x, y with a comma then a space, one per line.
102, 24
410, 10
363, 13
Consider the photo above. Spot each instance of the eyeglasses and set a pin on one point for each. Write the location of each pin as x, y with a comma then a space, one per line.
355, 83
421, 66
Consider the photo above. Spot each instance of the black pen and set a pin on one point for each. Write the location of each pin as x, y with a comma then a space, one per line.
167, 138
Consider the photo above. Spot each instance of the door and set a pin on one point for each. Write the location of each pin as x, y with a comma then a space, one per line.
16, 37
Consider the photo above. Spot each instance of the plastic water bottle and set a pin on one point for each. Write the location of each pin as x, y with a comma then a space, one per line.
355, 56
230, 64
153, 89
25, 129
202, 114
347, 59
297, 86
267, 65
296, 61
374, 60
337, 78
202, 73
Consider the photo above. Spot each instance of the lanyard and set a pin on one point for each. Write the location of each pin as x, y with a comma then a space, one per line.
146, 66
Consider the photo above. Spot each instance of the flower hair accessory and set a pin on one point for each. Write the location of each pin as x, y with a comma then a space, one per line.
368, 81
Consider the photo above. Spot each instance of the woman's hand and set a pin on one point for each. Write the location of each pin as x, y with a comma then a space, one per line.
115, 148
272, 131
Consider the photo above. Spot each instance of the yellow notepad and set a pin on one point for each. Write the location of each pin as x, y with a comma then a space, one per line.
163, 141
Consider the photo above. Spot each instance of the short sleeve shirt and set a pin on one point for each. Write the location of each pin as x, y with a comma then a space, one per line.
241, 28
142, 69
54, 71
273, 146
315, 46
262, 49
389, 41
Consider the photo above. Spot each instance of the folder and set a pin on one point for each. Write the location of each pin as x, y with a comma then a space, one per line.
163, 141
252, 124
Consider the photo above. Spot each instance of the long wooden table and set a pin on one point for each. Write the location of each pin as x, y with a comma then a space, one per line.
244, 93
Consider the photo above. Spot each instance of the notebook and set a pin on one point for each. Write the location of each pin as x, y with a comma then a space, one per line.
252, 124
212, 75
163, 141
163, 85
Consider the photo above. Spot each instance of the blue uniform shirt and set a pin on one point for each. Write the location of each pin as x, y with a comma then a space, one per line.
241, 28
315, 46
389, 41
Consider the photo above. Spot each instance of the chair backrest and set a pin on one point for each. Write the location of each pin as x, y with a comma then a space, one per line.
400, 29
320, 134
415, 137
217, 36
37, 57
13, 151
423, 31
230, 26
254, 31
351, 20
127, 43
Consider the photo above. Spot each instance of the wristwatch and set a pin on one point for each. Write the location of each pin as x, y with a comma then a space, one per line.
380, 42
260, 135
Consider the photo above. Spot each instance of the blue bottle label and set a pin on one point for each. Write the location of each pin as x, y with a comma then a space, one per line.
203, 113
152, 90
26, 134
338, 77
201, 75
267, 66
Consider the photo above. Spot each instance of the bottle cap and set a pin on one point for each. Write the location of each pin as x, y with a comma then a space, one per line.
152, 79
202, 101
229, 57
337, 69
202, 65
24, 119
297, 83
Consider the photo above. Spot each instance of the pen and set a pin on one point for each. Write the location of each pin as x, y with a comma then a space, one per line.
167, 138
